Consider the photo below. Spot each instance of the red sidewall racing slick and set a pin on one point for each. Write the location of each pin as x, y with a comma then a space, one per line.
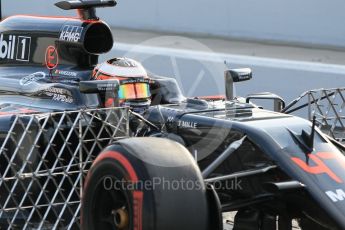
117, 194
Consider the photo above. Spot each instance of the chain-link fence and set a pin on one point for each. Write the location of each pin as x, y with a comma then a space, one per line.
43, 161
327, 105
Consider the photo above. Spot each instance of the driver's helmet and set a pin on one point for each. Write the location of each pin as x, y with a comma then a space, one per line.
134, 88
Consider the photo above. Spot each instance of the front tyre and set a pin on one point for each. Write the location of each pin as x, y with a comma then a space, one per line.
145, 184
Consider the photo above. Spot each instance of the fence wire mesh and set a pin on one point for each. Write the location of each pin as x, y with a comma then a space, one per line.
43, 161
327, 105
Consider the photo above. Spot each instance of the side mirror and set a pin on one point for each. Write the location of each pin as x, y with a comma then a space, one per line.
235, 75
165, 91
99, 86
239, 75
278, 102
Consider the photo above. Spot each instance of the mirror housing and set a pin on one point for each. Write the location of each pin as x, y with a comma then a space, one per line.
165, 90
235, 75
99, 86
239, 75
278, 102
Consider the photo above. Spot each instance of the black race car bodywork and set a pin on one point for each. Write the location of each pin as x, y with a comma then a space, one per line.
44, 58
273, 161
287, 167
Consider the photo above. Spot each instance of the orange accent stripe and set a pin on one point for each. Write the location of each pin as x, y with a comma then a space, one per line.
138, 198
123, 160
319, 168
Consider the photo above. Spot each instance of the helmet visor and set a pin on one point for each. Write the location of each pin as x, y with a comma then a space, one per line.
138, 90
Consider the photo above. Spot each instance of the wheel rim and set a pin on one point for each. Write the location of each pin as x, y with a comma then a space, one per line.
111, 207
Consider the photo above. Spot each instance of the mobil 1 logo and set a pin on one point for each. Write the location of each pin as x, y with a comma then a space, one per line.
14, 47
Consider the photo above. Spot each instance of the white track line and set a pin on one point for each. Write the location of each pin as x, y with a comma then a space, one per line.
232, 59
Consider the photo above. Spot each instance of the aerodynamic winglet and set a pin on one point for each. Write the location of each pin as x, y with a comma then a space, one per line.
77, 4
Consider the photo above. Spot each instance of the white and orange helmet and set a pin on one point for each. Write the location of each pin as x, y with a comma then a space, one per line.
134, 89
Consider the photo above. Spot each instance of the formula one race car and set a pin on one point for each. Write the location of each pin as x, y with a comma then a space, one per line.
175, 163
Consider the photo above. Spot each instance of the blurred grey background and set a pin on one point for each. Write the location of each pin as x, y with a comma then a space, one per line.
306, 22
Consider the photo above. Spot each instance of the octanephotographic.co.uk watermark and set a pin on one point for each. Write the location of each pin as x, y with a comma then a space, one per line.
162, 183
